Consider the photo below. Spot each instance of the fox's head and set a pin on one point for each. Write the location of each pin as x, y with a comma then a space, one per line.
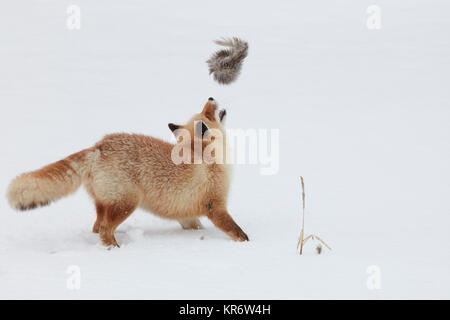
206, 127
211, 117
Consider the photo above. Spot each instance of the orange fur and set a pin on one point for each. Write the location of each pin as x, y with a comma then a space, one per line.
125, 171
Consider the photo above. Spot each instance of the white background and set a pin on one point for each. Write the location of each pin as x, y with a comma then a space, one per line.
363, 115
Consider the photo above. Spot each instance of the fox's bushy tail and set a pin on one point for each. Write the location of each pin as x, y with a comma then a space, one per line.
50, 183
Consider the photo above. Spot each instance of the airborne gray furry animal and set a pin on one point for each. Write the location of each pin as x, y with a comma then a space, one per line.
225, 65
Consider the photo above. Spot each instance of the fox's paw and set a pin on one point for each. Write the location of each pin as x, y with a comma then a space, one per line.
239, 235
107, 238
190, 224
112, 247
110, 244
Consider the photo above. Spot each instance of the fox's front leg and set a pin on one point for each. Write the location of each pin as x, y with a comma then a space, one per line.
222, 220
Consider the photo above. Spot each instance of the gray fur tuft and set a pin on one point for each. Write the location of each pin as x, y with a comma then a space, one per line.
225, 65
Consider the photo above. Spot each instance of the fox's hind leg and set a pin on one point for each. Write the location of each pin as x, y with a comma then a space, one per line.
193, 223
100, 208
114, 215
100, 213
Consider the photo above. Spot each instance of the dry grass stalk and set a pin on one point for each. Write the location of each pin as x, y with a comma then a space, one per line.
302, 239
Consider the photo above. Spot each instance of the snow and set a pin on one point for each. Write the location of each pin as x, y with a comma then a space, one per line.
363, 116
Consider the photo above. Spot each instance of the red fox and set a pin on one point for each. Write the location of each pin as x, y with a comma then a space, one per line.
125, 171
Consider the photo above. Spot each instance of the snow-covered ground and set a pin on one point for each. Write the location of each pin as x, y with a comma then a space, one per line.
364, 116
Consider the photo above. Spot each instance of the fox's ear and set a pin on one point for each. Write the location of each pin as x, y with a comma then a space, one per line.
200, 128
173, 127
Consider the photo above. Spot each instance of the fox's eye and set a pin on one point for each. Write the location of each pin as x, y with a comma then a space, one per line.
200, 128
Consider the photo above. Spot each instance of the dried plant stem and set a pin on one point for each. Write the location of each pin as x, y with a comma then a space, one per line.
302, 232
302, 240
307, 238
323, 242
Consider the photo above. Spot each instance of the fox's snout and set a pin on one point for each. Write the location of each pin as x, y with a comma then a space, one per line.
222, 112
